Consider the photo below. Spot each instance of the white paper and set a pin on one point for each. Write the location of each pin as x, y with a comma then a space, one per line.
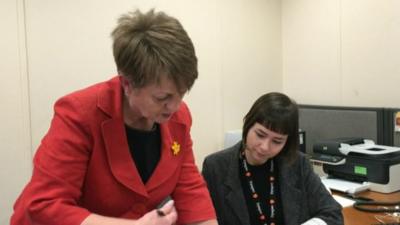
345, 186
345, 202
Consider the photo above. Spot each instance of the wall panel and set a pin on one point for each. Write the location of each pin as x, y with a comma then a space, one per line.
15, 144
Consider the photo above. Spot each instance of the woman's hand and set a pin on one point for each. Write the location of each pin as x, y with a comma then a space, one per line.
165, 215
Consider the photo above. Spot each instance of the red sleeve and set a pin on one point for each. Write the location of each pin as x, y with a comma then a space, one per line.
60, 164
191, 195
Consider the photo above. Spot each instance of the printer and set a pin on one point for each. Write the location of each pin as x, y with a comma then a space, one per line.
361, 161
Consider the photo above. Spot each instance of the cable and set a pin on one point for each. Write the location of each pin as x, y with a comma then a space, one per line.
360, 205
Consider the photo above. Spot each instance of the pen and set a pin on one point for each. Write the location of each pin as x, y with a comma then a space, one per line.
160, 212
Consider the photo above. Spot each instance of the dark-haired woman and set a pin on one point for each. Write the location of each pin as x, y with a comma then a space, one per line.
264, 179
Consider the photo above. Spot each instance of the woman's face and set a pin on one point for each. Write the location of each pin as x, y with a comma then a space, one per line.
262, 144
154, 102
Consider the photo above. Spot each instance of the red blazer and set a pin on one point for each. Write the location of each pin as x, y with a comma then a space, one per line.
84, 166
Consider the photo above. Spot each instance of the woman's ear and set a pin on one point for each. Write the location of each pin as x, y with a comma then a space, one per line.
126, 86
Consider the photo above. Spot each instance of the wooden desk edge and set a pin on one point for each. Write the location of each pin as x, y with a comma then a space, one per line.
353, 216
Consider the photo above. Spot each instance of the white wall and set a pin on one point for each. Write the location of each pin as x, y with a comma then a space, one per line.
371, 52
15, 148
341, 52
240, 63
238, 44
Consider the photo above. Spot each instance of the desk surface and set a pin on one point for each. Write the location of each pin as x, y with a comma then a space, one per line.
353, 216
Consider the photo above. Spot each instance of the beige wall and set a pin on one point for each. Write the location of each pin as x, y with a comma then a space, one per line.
238, 44
15, 149
341, 52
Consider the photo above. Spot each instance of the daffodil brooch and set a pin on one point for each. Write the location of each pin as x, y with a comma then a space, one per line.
176, 148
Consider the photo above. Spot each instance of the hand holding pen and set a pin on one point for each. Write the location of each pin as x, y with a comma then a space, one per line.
165, 215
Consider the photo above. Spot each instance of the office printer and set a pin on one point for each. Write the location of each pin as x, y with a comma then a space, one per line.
360, 160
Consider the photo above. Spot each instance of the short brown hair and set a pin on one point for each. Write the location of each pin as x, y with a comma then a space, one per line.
150, 45
276, 112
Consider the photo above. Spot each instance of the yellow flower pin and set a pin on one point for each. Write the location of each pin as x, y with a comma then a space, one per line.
176, 148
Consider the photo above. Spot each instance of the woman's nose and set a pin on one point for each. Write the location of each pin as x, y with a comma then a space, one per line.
173, 105
265, 144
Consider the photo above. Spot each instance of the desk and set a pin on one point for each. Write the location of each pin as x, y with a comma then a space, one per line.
353, 216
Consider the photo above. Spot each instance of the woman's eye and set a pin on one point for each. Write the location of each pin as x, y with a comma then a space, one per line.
160, 99
259, 135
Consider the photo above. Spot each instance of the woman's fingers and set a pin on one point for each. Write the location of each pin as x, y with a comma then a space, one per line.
168, 211
168, 207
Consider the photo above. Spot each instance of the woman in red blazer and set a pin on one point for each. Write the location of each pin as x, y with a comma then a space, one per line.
117, 149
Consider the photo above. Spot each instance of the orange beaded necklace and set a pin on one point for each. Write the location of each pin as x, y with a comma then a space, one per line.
270, 200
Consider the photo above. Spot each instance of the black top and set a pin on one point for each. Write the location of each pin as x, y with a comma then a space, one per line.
261, 182
145, 149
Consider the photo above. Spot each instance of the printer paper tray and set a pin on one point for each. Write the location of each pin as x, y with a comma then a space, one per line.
344, 186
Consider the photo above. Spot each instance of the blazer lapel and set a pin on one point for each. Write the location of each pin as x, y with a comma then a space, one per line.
289, 194
172, 151
234, 197
117, 153
116, 145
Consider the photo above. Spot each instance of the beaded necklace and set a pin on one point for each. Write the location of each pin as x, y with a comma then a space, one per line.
270, 200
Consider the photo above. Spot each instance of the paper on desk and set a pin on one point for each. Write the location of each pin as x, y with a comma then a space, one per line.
343, 201
344, 186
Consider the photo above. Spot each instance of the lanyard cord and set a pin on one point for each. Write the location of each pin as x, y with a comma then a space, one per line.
255, 196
